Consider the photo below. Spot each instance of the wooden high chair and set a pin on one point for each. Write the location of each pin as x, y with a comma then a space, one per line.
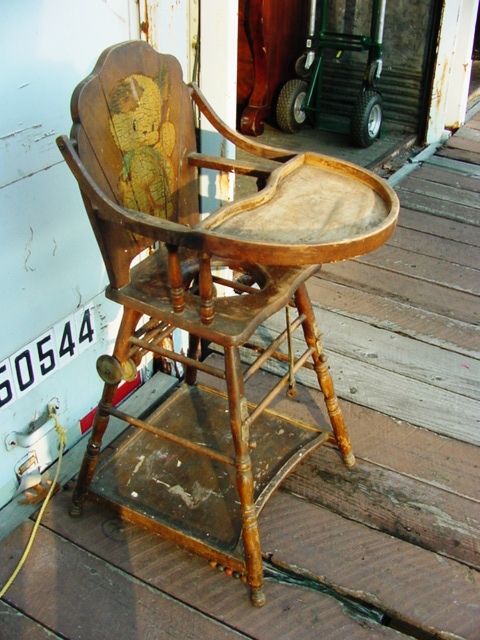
201, 467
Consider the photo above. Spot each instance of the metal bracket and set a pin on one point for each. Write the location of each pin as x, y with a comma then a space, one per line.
32, 436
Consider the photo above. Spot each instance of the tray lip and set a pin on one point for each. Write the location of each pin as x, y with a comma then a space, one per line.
287, 254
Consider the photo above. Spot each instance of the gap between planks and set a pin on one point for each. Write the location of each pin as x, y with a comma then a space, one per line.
396, 316
397, 395
142, 586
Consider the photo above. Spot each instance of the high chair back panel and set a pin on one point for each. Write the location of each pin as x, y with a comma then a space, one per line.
134, 128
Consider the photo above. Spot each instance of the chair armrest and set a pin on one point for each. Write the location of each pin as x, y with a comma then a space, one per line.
239, 140
136, 221
243, 167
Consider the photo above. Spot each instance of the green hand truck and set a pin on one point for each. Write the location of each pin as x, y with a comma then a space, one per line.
299, 99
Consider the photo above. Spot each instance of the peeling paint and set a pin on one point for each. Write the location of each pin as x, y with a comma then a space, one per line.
445, 521
28, 253
193, 500
12, 134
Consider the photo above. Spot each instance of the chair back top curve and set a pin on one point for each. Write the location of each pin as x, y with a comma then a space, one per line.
133, 127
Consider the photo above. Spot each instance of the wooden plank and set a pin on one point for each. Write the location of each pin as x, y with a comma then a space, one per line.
464, 168
474, 123
466, 143
377, 438
91, 595
390, 502
460, 154
388, 313
447, 177
424, 295
439, 227
438, 410
397, 353
291, 611
425, 268
14, 625
144, 399
416, 184
474, 119
428, 245
438, 207
468, 132
379, 569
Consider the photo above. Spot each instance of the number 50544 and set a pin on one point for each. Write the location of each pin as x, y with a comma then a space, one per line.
26, 368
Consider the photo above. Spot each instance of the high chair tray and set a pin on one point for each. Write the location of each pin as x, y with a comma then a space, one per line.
314, 209
185, 495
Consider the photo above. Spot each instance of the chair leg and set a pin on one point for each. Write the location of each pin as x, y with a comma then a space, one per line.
90, 458
120, 353
193, 352
312, 338
241, 436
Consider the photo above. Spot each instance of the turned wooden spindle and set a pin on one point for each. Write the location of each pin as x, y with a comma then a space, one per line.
177, 293
207, 311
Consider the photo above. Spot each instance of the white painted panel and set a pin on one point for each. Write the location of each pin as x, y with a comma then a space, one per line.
452, 67
50, 46
458, 87
49, 262
75, 386
172, 28
218, 81
50, 265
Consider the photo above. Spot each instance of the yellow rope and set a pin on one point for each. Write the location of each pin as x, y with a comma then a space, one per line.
62, 441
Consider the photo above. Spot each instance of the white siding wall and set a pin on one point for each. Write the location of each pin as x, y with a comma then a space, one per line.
49, 263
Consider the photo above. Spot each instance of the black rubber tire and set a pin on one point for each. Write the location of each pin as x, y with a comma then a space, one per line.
300, 67
367, 118
290, 117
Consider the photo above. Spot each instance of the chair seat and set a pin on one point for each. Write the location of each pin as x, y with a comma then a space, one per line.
236, 316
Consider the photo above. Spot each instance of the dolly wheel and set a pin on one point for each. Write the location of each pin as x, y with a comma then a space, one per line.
290, 112
367, 118
300, 68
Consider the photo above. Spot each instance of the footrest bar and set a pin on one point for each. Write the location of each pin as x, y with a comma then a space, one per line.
161, 433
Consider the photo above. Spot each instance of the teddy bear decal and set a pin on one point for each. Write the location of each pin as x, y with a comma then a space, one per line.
142, 131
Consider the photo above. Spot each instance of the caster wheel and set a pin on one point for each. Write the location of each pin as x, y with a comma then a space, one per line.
300, 68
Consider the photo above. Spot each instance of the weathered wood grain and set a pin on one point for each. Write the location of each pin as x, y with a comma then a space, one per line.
389, 443
416, 184
468, 132
396, 395
447, 177
439, 227
92, 595
393, 352
465, 143
14, 625
426, 268
403, 288
460, 154
428, 244
388, 313
413, 511
464, 168
438, 207
291, 611
474, 123
398, 577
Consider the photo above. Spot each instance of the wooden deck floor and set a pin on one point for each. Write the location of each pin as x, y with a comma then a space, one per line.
390, 549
